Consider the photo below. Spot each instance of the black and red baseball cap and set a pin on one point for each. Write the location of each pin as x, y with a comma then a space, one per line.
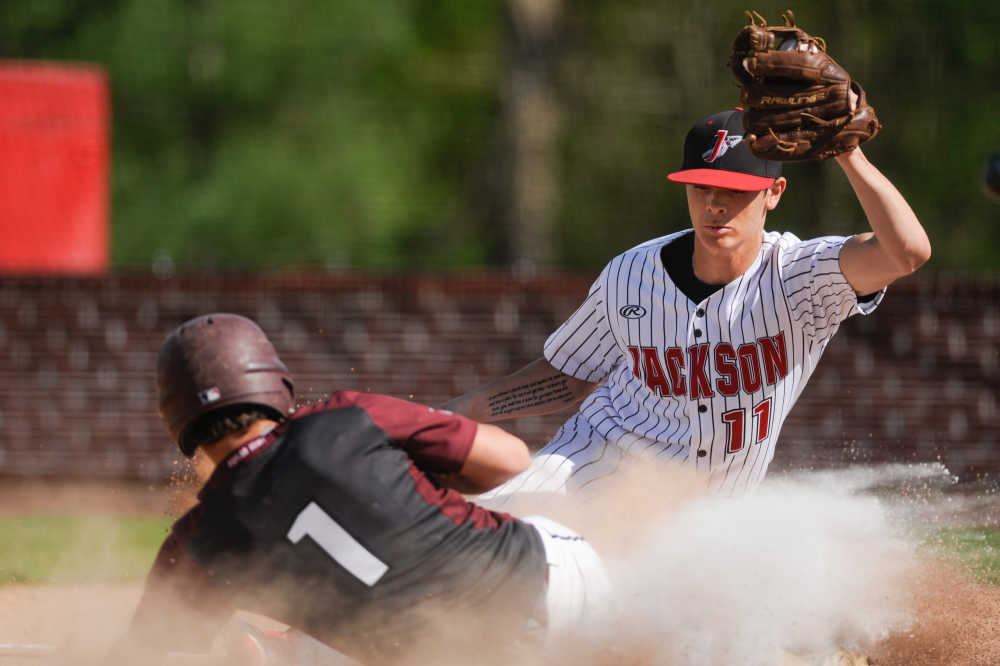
716, 155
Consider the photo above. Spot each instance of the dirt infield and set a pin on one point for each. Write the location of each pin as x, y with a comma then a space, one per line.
83, 618
958, 624
115, 498
956, 620
18, 496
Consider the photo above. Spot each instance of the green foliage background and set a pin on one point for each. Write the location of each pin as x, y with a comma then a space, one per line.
371, 133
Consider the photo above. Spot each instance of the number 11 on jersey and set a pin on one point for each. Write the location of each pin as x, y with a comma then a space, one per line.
735, 421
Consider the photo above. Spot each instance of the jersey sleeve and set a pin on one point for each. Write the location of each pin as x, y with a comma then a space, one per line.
584, 346
437, 440
819, 296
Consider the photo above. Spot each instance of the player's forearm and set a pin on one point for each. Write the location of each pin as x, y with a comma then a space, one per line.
896, 228
496, 456
535, 389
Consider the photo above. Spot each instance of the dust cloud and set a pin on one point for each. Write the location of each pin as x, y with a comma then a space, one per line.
811, 562
798, 566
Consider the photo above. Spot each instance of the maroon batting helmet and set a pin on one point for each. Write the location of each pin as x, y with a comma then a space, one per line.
214, 361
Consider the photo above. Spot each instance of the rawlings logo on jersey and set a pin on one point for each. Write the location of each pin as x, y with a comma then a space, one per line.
701, 370
723, 142
632, 311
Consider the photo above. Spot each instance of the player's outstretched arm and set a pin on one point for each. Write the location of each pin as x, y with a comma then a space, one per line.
896, 246
535, 389
495, 456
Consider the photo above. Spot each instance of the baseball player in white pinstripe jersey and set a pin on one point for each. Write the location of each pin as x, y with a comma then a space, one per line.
693, 347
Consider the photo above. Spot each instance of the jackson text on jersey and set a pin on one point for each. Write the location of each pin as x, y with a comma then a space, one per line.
744, 367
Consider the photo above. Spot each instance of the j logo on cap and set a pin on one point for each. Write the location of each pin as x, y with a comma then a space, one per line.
723, 142
715, 155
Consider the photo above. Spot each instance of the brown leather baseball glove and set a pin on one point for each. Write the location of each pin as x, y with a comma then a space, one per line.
798, 100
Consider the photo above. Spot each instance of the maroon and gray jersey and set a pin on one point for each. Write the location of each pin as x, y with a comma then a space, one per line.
330, 523
706, 384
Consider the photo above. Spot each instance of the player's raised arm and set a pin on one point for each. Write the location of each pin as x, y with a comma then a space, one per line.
897, 244
535, 389
782, 71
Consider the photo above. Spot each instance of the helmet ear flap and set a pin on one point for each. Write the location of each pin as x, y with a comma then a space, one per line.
215, 361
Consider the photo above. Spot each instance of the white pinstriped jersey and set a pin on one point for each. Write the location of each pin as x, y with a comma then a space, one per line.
705, 384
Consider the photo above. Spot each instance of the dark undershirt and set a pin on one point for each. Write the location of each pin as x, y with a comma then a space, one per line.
678, 258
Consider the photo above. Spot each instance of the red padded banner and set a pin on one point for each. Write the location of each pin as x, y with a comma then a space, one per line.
53, 169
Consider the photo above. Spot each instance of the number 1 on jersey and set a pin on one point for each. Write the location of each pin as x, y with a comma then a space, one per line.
735, 425
345, 550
